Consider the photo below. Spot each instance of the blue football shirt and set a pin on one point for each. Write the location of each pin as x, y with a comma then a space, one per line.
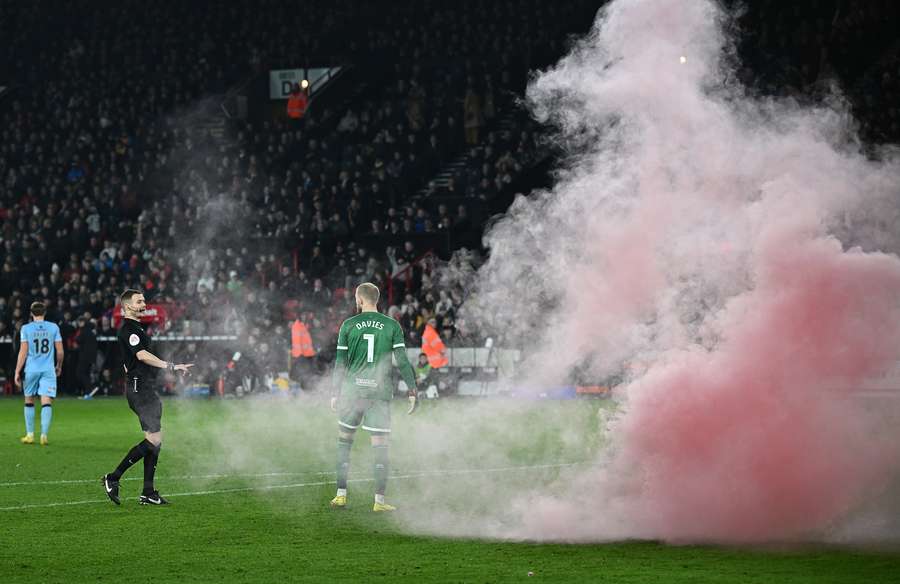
40, 337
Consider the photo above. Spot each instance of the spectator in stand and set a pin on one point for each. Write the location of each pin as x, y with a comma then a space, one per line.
268, 364
462, 222
317, 266
447, 334
444, 306
234, 286
319, 297
425, 378
472, 115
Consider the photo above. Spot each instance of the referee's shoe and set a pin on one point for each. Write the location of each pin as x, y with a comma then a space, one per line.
153, 498
112, 489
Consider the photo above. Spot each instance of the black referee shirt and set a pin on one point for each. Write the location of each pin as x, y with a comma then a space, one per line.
132, 340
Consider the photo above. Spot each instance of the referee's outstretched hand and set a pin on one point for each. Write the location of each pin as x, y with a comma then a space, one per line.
184, 368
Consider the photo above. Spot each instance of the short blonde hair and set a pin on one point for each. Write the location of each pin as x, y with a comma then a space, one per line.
368, 292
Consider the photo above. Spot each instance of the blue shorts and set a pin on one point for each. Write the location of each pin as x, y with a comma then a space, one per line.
41, 383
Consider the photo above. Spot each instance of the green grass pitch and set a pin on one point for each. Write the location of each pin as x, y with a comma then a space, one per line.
250, 482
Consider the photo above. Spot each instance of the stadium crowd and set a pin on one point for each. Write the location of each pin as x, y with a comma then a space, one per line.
108, 182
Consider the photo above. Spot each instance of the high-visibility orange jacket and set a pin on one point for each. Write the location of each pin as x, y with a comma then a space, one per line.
434, 347
296, 105
301, 341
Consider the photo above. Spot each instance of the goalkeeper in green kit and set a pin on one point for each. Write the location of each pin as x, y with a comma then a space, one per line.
362, 388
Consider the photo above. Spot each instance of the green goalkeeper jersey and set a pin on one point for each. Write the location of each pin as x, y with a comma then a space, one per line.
363, 364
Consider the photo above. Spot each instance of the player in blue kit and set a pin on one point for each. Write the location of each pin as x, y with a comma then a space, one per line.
41, 341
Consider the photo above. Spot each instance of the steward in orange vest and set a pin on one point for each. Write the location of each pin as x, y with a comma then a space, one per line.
301, 341
297, 102
433, 346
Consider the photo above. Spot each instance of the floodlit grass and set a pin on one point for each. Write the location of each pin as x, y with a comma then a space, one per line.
250, 482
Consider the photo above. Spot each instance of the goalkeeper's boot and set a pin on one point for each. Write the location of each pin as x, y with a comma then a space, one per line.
153, 498
339, 502
27, 439
44, 440
383, 507
112, 489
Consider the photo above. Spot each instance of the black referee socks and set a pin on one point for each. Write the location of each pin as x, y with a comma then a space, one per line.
137, 452
150, 460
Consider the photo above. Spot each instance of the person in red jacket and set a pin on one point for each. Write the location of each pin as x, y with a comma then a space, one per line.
433, 346
298, 101
302, 350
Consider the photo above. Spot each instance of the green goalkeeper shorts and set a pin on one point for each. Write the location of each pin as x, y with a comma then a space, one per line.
373, 415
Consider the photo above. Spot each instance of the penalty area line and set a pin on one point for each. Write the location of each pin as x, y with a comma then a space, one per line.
407, 476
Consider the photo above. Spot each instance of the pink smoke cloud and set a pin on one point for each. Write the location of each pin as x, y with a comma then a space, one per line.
754, 441
698, 231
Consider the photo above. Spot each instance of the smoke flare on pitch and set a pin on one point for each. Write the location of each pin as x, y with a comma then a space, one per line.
719, 249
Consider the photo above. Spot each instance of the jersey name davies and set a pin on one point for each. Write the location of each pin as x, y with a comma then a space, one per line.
370, 324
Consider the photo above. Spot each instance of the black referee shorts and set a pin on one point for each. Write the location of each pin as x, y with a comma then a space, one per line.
143, 401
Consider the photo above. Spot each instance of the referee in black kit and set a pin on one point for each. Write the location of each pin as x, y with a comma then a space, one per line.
142, 398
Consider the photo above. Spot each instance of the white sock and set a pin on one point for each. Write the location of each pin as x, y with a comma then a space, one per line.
379, 499
342, 493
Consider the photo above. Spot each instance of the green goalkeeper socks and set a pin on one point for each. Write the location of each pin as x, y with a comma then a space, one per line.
381, 468
343, 462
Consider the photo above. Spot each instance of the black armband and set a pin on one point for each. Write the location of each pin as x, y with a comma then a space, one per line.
170, 366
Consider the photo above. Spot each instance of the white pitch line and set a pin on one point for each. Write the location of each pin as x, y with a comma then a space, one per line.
207, 476
183, 477
174, 477
415, 475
